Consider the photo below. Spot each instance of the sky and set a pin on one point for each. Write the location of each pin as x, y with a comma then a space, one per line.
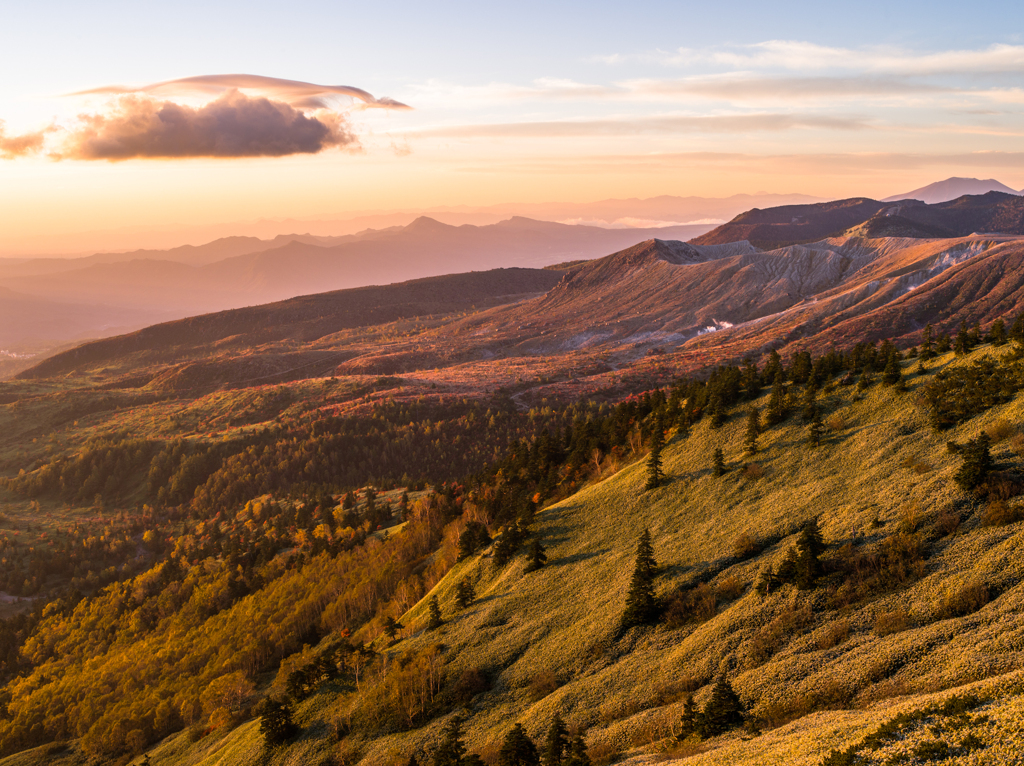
136, 114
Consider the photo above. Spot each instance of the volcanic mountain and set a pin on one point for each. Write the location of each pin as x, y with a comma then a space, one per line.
951, 188
994, 212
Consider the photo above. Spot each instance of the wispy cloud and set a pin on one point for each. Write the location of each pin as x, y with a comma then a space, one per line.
666, 124
801, 55
299, 94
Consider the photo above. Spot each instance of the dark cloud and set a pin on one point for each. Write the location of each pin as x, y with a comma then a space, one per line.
234, 125
304, 95
19, 146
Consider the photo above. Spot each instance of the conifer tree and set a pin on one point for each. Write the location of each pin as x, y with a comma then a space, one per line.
537, 556
892, 375
816, 431
716, 411
435, 614
518, 749
810, 402
688, 721
776, 412
751, 380
465, 593
452, 749
997, 333
974, 336
412, 760
578, 755
641, 605
753, 431
718, 462
276, 723
773, 369
655, 476
557, 743
942, 344
391, 627
927, 349
867, 378
723, 710
977, 462
809, 547
1017, 329
962, 343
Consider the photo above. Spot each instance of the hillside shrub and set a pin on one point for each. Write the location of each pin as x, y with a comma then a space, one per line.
891, 621
963, 601
998, 513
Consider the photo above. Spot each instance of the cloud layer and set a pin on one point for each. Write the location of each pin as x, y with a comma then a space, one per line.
234, 125
19, 146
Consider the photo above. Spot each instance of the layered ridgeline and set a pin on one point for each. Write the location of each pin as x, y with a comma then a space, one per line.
845, 560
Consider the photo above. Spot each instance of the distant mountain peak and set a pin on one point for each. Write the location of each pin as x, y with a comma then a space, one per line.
953, 188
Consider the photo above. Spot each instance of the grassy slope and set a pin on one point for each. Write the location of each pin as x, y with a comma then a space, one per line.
563, 618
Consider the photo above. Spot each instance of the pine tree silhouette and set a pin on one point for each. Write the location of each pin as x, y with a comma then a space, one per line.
776, 411
537, 556
578, 755
452, 749
641, 605
816, 432
276, 723
464, 593
718, 462
753, 431
977, 462
927, 349
655, 476
723, 710
557, 743
435, 614
518, 749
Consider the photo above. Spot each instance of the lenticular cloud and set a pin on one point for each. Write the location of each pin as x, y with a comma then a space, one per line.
249, 116
234, 125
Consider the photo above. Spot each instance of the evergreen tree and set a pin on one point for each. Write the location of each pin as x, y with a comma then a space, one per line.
688, 722
810, 403
465, 593
809, 547
435, 614
723, 710
716, 411
655, 476
276, 723
518, 749
537, 556
942, 345
776, 412
927, 349
962, 344
557, 743
412, 760
773, 369
893, 374
977, 462
997, 333
1017, 329
578, 755
753, 431
641, 605
816, 432
391, 627
751, 380
974, 336
508, 543
718, 462
867, 378
452, 749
